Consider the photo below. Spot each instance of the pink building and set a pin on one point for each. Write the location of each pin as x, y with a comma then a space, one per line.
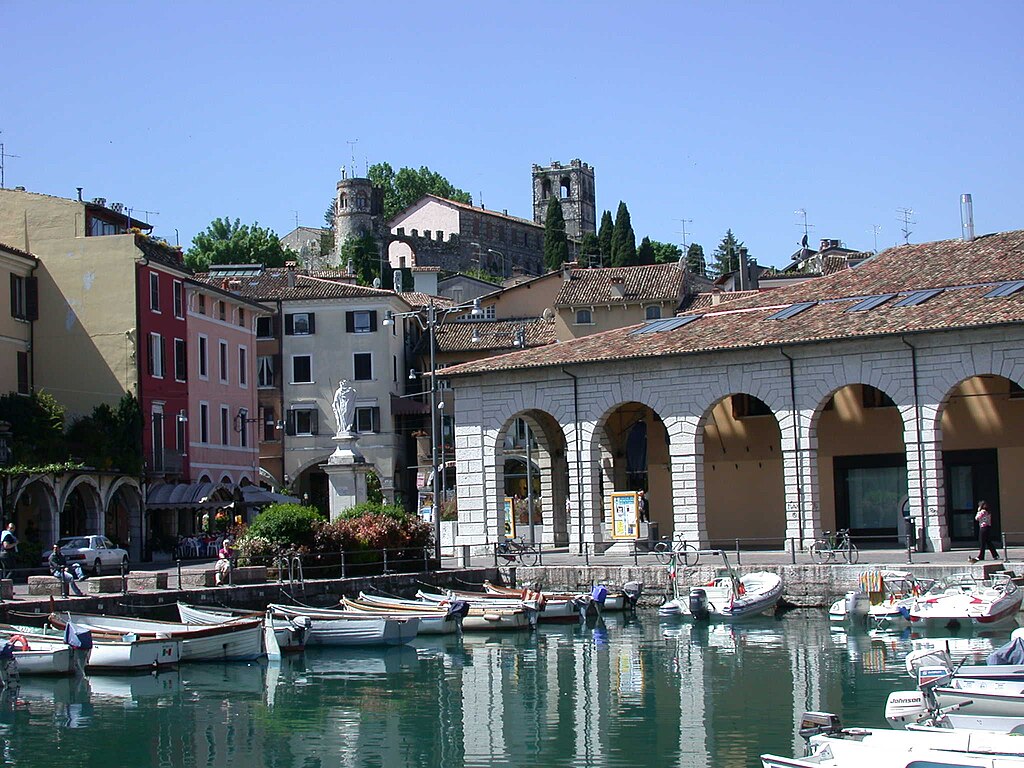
222, 393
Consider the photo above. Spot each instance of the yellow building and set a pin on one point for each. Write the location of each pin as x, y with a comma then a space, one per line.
16, 326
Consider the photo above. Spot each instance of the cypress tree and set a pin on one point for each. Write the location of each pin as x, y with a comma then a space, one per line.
604, 238
695, 261
556, 245
623, 239
645, 253
590, 249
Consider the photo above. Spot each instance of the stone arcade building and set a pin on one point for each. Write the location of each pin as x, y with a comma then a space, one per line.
849, 400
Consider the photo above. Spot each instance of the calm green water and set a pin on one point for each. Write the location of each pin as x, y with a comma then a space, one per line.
628, 692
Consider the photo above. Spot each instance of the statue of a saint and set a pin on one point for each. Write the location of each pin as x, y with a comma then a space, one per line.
344, 408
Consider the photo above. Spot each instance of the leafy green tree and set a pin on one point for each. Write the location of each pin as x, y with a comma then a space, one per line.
110, 438
231, 242
364, 253
695, 261
645, 253
288, 525
590, 249
408, 185
665, 253
604, 238
327, 233
727, 254
556, 244
623, 239
37, 428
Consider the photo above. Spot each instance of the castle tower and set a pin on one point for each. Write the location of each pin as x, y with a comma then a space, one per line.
574, 186
359, 207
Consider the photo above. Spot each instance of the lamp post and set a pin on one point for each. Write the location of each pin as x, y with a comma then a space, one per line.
504, 265
429, 318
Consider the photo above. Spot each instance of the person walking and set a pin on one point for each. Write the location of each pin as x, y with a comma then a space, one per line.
644, 506
8, 551
984, 518
58, 565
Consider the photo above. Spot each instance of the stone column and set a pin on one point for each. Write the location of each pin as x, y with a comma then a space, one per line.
686, 457
346, 471
926, 479
800, 477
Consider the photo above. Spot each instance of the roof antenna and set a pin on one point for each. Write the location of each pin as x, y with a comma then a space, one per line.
905, 215
685, 222
875, 229
805, 225
2, 156
352, 147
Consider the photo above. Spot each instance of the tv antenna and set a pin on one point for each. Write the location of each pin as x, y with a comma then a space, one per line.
296, 213
352, 149
143, 211
684, 223
3, 155
905, 215
875, 229
807, 227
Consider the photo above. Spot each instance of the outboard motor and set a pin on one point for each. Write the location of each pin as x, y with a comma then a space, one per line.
698, 604
633, 590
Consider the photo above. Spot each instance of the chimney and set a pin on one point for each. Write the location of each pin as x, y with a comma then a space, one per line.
716, 297
966, 218
618, 287
79, 193
100, 201
744, 270
290, 268
567, 271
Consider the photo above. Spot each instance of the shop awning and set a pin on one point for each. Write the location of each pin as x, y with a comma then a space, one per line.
407, 406
187, 496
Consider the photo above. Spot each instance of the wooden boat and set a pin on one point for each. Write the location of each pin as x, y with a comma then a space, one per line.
478, 619
727, 597
290, 633
614, 600
335, 627
837, 747
240, 640
36, 654
432, 622
112, 652
553, 610
965, 600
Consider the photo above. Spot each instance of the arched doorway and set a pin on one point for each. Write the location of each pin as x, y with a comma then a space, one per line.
35, 514
534, 476
982, 427
862, 463
82, 511
122, 509
744, 486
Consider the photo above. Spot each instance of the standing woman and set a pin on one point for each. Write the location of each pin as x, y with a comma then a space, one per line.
984, 518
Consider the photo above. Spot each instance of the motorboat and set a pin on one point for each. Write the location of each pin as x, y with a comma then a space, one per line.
829, 744
726, 597
239, 640
290, 632
883, 597
338, 627
477, 619
443, 621
966, 600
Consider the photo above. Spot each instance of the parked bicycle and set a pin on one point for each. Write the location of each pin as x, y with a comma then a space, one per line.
516, 549
833, 546
666, 549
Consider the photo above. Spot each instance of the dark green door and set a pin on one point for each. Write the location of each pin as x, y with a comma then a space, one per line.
970, 477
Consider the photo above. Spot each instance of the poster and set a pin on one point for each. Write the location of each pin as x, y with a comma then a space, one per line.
510, 519
624, 515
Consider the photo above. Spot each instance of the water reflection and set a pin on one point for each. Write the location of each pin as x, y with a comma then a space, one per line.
612, 691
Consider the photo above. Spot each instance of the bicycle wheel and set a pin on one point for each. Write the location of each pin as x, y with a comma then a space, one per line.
689, 554
661, 551
850, 554
528, 556
821, 552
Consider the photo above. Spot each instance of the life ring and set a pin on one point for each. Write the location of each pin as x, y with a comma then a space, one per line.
19, 642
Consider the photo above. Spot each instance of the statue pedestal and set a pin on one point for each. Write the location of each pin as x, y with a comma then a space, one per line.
346, 471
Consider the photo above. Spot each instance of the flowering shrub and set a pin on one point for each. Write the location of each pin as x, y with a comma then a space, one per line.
286, 525
372, 526
255, 550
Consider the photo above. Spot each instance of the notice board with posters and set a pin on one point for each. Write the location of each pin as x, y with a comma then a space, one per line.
624, 515
510, 519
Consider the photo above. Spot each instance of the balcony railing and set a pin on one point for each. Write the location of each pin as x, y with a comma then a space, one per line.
169, 462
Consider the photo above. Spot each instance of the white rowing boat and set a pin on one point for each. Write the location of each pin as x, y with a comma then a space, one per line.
334, 627
290, 633
240, 640
432, 622
478, 619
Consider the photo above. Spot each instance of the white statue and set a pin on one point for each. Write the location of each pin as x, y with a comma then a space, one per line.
344, 408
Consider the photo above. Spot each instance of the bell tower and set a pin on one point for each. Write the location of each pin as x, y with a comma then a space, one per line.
573, 184
358, 208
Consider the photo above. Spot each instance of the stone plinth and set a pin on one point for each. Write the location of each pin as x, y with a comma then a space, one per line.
346, 471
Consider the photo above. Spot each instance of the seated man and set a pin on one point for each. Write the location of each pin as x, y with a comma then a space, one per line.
224, 564
59, 568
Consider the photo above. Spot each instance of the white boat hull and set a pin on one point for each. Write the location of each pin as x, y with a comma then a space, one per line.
477, 620
143, 654
290, 637
761, 592
326, 629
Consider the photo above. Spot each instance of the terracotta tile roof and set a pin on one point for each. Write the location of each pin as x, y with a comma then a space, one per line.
17, 251
702, 301
967, 271
272, 284
331, 273
161, 253
495, 335
418, 299
468, 207
657, 282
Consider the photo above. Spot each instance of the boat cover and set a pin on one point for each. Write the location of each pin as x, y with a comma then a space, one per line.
1011, 653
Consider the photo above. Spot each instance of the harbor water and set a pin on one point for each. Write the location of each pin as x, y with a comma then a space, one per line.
622, 691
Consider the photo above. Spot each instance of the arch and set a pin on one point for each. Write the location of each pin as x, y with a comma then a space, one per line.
858, 431
226, 480
533, 438
35, 510
740, 435
564, 188
977, 426
545, 189
81, 507
122, 514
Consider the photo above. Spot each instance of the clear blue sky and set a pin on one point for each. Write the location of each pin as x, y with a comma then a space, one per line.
726, 114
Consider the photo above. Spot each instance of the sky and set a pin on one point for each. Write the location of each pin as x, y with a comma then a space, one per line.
707, 116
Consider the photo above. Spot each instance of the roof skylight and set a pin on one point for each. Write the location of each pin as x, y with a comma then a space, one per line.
791, 310
918, 297
1005, 289
665, 324
870, 302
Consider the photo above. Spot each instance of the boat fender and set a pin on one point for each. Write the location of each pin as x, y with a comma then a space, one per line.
492, 617
741, 590
19, 642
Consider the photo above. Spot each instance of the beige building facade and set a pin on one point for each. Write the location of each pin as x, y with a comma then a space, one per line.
16, 325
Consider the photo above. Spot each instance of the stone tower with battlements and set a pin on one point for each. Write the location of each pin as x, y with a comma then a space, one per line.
574, 186
358, 210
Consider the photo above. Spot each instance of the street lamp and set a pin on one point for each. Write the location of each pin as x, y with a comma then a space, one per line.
504, 265
429, 318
